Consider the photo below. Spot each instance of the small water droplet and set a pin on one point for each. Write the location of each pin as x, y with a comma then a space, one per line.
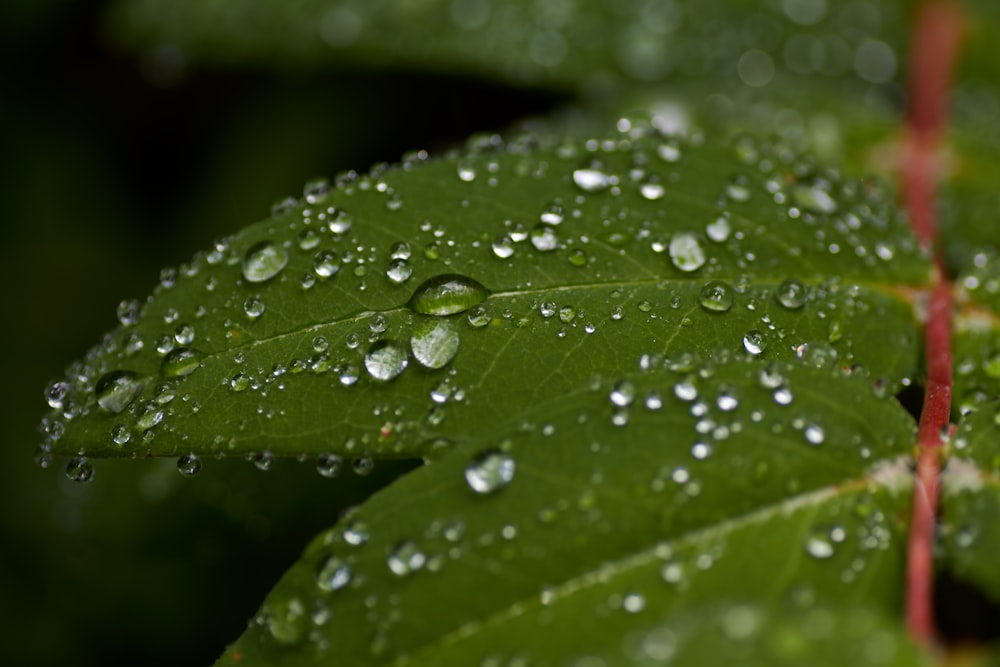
814, 434
264, 261
128, 312
543, 238
489, 472
262, 460
479, 316
116, 390
814, 199
308, 239
623, 394
121, 434
181, 362
716, 296
341, 222
791, 294
719, 230
332, 574
55, 394
406, 558
434, 342
686, 252
79, 470
399, 271
652, 191
818, 545
253, 307
188, 465
325, 264
591, 180
447, 294
386, 360
362, 466
503, 246
754, 342
328, 465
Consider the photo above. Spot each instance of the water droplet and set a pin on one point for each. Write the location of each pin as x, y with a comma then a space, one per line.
189, 465
328, 465
652, 191
434, 342
669, 152
253, 307
716, 296
55, 394
814, 434
479, 316
332, 574
264, 261
121, 434
447, 294
356, 533
386, 360
623, 394
686, 252
543, 238
727, 401
577, 257
791, 294
503, 246
489, 472
325, 263
818, 545
116, 390
719, 230
406, 559
362, 466
552, 215
79, 469
262, 460
814, 199
591, 180
181, 362
399, 271
754, 342
308, 239
341, 222
128, 312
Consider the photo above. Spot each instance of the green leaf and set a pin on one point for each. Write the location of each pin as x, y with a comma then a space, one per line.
406, 312
778, 485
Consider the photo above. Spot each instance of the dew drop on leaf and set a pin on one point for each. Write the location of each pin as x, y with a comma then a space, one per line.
814, 199
543, 238
188, 465
332, 574
591, 180
754, 342
264, 261
328, 465
716, 296
116, 390
406, 558
686, 252
386, 360
447, 294
79, 469
791, 294
489, 472
181, 362
325, 264
434, 342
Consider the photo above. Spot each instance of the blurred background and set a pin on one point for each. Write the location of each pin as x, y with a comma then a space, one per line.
115, 165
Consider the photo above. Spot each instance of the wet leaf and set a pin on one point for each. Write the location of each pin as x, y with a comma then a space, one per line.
405, 312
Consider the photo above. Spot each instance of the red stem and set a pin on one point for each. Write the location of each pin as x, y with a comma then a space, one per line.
935, 50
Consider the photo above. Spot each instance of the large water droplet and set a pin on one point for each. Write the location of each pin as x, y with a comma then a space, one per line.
686, 252
447, 294
399, 271
386, 360
325, 263
434, 342
716, 296
116, 390
264, 261
490, 471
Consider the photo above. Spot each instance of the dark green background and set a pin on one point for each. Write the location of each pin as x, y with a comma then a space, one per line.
115, 166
